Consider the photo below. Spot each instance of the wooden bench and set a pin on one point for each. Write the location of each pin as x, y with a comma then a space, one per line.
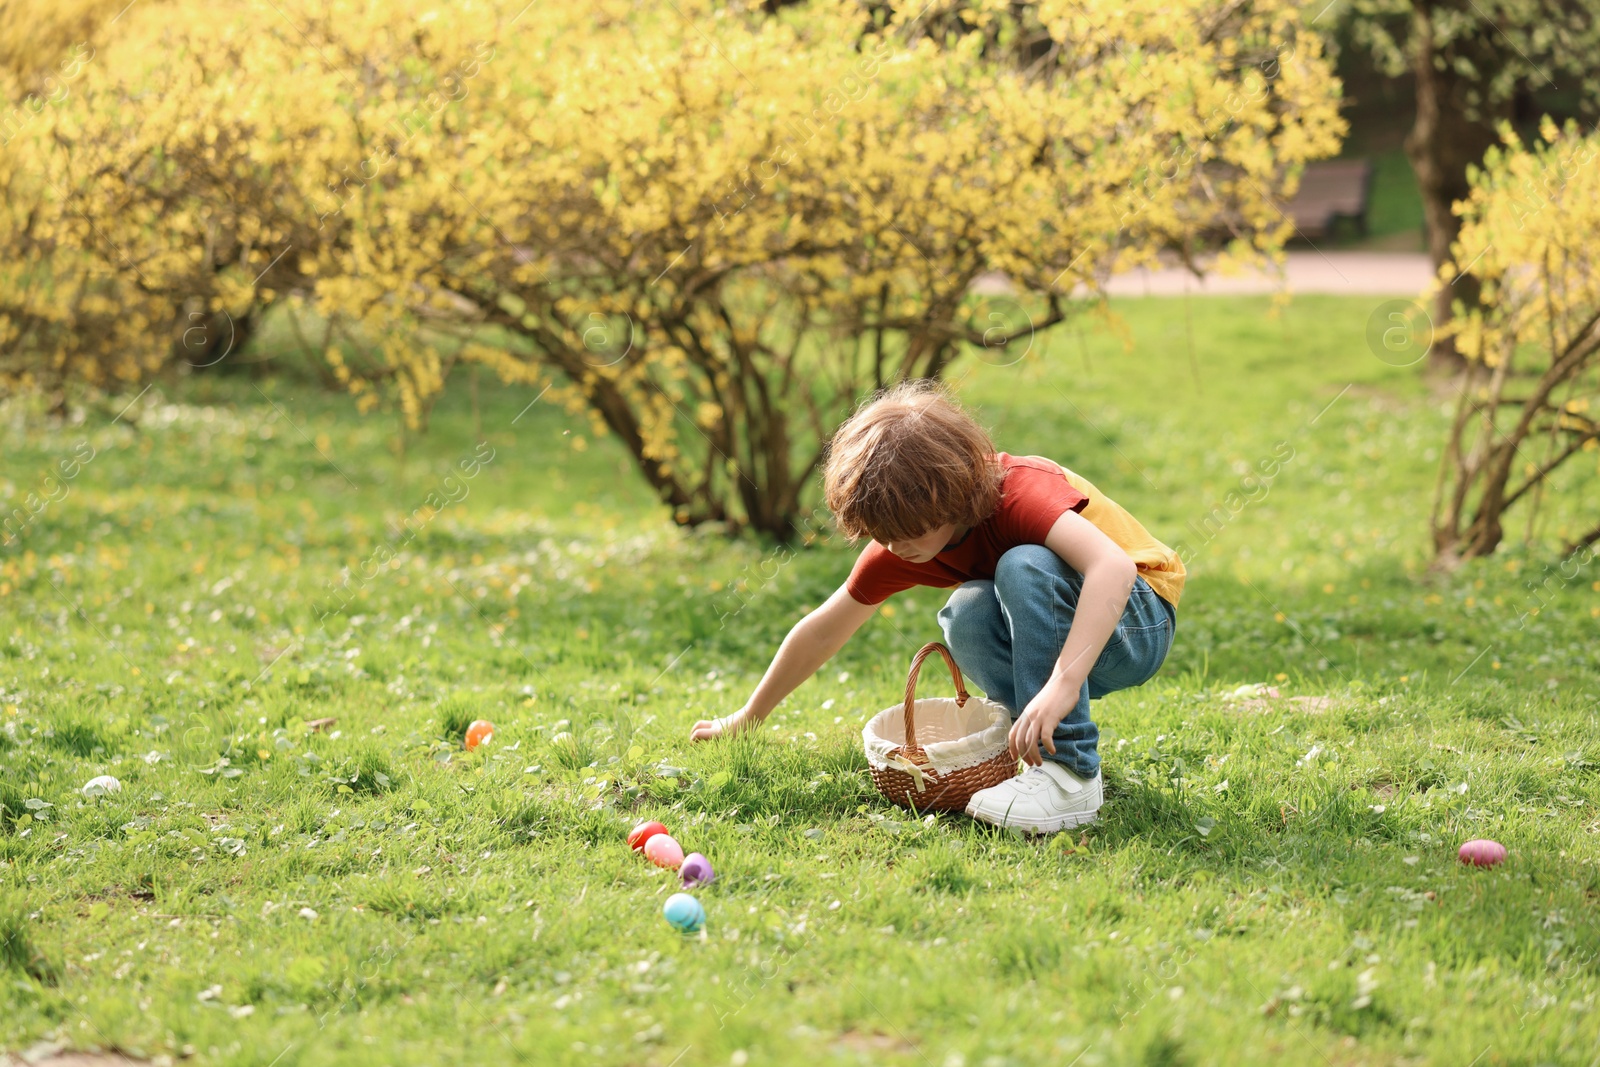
1329, 191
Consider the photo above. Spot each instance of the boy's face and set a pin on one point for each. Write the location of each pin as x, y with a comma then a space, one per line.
924, 548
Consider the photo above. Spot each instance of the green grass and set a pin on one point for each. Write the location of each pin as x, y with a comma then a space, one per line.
1396, 201
1270, 882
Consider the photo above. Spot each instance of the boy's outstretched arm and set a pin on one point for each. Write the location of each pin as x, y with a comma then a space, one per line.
811, 643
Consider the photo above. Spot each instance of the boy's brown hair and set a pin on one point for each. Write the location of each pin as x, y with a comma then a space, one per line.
908, 461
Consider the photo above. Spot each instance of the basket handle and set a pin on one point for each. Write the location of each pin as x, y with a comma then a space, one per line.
911, 685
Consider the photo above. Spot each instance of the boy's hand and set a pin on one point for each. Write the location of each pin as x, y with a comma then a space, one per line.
727, 726
1037, 724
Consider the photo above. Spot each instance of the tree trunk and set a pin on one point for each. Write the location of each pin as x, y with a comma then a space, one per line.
204, 338
1443, 141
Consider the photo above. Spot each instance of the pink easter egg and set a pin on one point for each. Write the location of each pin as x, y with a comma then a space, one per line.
663, 851
696, 870
1482, 852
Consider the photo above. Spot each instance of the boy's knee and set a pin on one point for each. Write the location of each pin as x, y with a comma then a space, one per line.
1022, 567
970, 612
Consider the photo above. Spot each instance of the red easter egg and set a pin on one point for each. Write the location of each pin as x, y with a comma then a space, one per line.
663, 851
1482, 852
642, 833
480, 731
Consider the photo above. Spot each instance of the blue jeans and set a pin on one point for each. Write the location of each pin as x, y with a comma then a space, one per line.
1006, 636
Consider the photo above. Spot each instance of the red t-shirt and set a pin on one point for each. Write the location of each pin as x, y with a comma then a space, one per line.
1034, 495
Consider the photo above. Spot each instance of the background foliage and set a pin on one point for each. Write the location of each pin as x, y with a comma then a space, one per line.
1474, 66
711, 228
1523, 428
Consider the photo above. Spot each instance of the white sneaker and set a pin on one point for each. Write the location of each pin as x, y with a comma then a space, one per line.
1042, 800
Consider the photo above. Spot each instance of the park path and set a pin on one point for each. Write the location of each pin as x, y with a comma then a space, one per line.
1340, 273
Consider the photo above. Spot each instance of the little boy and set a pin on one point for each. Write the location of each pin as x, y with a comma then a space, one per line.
1060, 595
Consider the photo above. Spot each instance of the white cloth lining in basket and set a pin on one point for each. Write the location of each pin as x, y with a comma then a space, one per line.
952, 736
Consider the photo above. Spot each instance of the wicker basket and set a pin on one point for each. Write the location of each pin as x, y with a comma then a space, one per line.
933, 754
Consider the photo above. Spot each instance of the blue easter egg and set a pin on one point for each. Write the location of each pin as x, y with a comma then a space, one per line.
684, 912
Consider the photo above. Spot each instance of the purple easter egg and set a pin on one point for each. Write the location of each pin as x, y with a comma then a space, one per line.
1482, 852
696, 870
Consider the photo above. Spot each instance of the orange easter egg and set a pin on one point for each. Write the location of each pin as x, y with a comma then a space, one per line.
480, 731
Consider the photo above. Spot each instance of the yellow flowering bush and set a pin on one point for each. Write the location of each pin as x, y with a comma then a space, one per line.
708, 226
1528, 402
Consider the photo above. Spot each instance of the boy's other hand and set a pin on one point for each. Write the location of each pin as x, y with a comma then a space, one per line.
1037, 724
727, 726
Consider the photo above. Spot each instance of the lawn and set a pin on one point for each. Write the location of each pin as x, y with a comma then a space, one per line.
1273, 879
